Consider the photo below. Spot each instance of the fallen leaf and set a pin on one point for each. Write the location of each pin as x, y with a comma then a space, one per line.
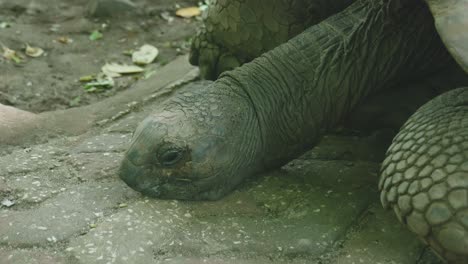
75, 101
91, 89
148, 74
87, 78
65, 40
95, 35
121, 68
10, 54
203, 7
33, 51
188, 12
7, 203
110, 73
145, 55
128, 52
4, 25
102, 82
55, 27
166, 16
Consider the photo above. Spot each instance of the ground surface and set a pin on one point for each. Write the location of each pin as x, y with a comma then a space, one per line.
63, 202
70, 207
51, 82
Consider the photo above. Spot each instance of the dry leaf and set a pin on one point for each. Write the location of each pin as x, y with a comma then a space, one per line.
7, 203
10, 54
117, 69
87, 78
4, 25
188, 12
109, 73
33, 51
145, 55
65, 40
166, 16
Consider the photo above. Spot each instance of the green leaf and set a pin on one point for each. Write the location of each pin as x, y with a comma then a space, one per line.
75, 101
95, 35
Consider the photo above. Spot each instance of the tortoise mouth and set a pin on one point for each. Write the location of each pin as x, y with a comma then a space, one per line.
151, 184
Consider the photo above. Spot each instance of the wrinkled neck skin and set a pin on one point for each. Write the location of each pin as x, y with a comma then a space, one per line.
305, 87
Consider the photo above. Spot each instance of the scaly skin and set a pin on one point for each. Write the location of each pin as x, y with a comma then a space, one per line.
202, 143
425, 175
237, 31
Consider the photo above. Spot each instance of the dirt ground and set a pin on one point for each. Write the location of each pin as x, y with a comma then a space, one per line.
50, 82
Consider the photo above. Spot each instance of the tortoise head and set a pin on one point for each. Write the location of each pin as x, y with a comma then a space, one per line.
191, 149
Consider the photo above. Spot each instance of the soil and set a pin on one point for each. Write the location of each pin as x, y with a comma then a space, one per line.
51, 81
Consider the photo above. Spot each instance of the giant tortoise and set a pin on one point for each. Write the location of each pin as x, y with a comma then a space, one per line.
201, 144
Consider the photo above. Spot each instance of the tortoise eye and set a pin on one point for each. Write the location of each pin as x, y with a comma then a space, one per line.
170, 157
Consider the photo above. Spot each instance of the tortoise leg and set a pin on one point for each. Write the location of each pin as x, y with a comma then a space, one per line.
425, 175
237, 31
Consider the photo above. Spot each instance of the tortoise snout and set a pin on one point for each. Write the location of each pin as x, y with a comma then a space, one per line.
138, 178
